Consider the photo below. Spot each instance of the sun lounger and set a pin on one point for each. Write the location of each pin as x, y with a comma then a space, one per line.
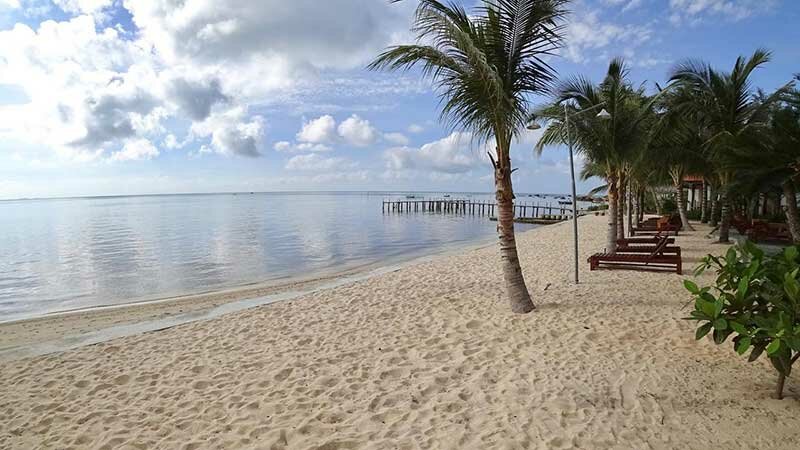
660, 229
656, 260
769, 232
648, 249
644, 240
661, 225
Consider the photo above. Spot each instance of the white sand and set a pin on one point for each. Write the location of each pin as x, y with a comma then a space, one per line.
425, 357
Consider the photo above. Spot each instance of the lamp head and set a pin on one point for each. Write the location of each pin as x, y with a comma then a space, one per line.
532, 125
603, 114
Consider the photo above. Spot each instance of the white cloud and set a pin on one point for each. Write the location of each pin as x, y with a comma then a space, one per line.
321, 130
694, 10
315, 162
415, 128
627, 5
453, 154
231, 133
357, 131
94, 86
288, 147
82, 6
318, 135
588, 32
135, 150
396, 139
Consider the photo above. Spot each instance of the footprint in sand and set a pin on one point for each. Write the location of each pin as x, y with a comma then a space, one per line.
474, 324
283, 374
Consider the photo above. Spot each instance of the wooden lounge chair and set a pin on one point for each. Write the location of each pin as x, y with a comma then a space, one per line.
656, 260
644, 240
668, 229
663, 225
649, 249
769, 232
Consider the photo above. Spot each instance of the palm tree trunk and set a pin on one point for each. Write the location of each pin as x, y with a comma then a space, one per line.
640, 217
657, 202
621, 207
636, 210
752, 205
704, 203
725, 219
681, 200
611, 234
715, 208
792, 217
516, 291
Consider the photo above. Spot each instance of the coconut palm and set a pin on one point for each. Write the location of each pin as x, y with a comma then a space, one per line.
771, 160
485, 64
676, 147
609, 145
724, 106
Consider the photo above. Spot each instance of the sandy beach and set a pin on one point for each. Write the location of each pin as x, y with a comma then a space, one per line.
428, 356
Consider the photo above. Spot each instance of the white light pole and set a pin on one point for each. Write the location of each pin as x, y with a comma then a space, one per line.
604, 115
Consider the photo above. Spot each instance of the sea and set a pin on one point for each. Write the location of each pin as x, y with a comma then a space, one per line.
66, 254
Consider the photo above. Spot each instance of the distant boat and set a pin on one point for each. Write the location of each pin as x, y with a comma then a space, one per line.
446, 195
564, 202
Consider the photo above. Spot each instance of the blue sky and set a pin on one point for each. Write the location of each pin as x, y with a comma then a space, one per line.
101, 97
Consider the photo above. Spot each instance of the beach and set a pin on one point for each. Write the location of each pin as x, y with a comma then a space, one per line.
425, 356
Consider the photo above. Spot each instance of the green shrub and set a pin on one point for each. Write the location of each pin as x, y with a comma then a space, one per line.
694, 214
755, 299
668, 206
597, 207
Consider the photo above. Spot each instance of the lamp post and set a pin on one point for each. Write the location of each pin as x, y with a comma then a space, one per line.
604, 115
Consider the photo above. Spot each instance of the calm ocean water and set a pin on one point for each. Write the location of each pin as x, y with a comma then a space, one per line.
62, 254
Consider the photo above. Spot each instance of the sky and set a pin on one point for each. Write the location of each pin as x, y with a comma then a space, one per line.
114, 97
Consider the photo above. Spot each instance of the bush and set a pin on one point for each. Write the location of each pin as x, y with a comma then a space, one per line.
597, 207
668, 206
755, 299
694, 214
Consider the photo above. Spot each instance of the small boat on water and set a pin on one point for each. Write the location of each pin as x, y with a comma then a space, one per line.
446, 195
412, 196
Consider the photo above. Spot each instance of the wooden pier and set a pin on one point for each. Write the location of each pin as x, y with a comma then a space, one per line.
473, 207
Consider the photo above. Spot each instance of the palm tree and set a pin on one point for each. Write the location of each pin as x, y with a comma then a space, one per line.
724, 106
771, 160
676, 147
609, 145
485, 64
785, 156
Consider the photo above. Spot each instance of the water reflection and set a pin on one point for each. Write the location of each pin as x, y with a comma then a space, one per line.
71, 253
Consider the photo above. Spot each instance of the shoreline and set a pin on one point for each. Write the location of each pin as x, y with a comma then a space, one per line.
424, 356
53, 331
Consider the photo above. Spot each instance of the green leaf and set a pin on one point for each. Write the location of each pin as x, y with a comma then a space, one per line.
737, 327
721, 324
742, 345
773, 346
741, 289
757, 351
718, 305
702, 331
705, 307
790, 254
691, 286
730, 256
